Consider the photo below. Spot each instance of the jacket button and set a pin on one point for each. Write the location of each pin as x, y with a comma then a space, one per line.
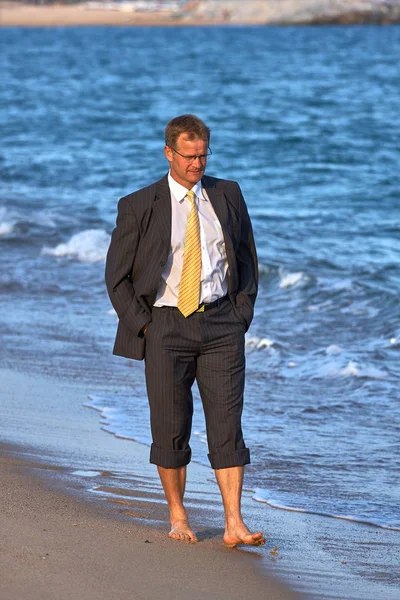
162, 263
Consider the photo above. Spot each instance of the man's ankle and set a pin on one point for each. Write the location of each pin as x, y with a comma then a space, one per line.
178, 516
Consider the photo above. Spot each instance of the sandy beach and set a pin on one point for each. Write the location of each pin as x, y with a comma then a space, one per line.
54, 546
84, 516
58, 15
59, 541
200, 13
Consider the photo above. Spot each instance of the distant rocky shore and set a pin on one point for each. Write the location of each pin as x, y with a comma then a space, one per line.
202, 12
297, 12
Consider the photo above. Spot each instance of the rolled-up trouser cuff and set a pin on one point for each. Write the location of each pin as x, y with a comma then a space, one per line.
237, 458
169, 459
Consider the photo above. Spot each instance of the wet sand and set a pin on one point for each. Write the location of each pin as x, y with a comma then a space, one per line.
83, 515
54, 546
67, 535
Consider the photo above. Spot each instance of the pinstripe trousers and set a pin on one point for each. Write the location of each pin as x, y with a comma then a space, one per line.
208, 347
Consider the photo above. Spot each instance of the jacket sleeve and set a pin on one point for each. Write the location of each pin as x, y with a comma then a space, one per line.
247, 264
120, 258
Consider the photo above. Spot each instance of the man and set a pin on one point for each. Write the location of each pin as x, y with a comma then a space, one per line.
181, 273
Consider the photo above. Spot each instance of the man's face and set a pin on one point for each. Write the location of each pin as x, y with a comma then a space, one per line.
187, 171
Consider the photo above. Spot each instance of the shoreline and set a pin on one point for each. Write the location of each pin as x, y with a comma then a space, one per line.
55, 445
84, 502
55, 546
57, 15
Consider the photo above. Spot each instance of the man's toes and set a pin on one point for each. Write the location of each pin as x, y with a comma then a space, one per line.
251, 539
257, 539
183, 536
259, 542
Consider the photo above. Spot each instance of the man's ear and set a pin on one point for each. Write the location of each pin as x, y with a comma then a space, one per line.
168, 153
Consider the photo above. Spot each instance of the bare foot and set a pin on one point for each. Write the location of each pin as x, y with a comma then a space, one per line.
180, 530
239, 534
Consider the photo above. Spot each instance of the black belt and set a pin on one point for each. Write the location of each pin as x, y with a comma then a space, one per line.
203, 307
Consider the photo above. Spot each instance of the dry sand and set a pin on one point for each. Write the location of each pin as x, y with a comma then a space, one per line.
57, 15
200, 12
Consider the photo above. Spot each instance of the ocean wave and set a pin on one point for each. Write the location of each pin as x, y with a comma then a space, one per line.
6, 228
256, 343
263, 269
355, 370
113, 418
15, 218
333, 349
6, 222
322, 307
262, 496
296, 279
89, 246
394, 342
352, 369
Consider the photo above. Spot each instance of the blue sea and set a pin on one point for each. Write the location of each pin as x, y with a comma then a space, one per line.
307, 120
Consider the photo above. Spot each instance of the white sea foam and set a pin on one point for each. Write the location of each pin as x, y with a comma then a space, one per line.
261, 496
341, 285
292, 279
82, 473
394, 342
355, 370
263, 269
86, 246
6, 228
257, 343
112, 312
46, 218
6, 222
323, 307
352, 369
113, 419
333, 349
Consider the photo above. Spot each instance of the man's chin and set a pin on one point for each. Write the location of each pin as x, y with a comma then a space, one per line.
196, 175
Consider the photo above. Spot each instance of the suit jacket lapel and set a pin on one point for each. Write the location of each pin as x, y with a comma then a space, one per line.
218, 202
162, 210
220, 205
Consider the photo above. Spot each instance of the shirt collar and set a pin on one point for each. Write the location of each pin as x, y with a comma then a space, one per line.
179, 192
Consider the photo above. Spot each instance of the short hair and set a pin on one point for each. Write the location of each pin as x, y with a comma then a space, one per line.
194, 127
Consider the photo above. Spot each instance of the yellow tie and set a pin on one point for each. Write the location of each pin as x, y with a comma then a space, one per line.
189, 287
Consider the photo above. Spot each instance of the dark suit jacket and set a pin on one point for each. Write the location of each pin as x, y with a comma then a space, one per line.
139, 249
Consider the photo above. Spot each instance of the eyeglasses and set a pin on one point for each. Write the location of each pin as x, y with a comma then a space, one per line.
201, 157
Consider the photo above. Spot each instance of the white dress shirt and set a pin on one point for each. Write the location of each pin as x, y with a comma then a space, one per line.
214, 263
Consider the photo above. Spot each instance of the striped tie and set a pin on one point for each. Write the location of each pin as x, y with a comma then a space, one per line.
189, 288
